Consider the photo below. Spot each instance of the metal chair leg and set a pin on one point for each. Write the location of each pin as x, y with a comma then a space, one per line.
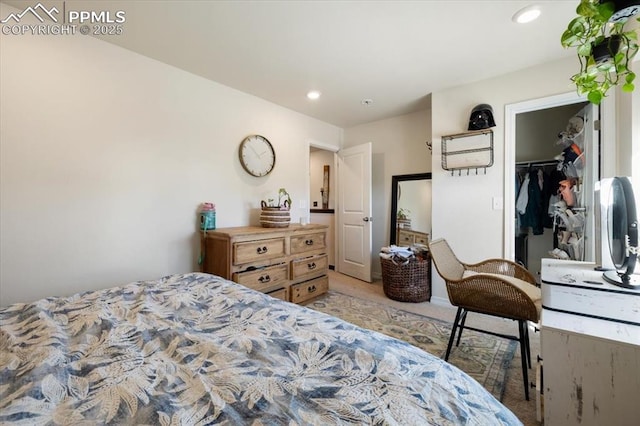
527, 341
453, 334
463, 320
523, 354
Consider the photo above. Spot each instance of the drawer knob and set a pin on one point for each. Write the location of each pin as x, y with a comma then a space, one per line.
311, 265
309, 242
264, 279
312, 288
262, 250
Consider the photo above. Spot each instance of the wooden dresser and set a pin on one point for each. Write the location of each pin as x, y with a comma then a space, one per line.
407, 237
288, 263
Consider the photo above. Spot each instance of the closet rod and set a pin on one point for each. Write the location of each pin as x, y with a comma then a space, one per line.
537, 163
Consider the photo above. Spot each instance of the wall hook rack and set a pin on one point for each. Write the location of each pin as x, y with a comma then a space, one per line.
467, 151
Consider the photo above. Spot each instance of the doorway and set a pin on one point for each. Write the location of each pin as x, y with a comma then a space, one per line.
541, 137
348, 212
322, 190
565, 102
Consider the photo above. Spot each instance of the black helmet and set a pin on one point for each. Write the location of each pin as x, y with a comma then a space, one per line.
481, 117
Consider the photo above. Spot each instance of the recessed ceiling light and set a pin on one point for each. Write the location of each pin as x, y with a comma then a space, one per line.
527, 14
313, 95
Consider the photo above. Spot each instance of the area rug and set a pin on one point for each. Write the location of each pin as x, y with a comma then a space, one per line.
484, 357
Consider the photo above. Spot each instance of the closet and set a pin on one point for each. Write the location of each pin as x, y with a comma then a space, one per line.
550, 191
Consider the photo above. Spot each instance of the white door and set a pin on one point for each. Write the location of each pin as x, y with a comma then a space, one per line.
354, 212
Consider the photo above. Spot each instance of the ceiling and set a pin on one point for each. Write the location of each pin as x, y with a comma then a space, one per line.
395, 53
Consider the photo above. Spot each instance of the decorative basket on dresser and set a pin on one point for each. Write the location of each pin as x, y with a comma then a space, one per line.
288, 263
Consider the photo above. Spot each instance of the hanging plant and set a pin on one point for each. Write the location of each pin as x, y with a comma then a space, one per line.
604, 48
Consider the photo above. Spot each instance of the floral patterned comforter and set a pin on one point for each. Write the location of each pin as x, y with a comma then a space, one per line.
194, 349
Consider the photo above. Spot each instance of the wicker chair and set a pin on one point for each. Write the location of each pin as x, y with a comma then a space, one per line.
495, 287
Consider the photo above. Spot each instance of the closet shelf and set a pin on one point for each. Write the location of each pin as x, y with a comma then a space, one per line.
467, 151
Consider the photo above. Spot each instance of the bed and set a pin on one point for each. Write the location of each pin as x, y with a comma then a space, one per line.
197, 349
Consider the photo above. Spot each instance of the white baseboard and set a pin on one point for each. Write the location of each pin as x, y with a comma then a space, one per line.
441, 301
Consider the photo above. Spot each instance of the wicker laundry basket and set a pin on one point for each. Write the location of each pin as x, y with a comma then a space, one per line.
407, 282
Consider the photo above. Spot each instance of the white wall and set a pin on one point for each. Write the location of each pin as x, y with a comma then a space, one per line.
634, 110
462, 205
628, 137
398, 147
628, 154
106, 156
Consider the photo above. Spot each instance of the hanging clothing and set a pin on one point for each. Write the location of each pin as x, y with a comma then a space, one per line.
532, 216
523, 196
517, 215
547, 178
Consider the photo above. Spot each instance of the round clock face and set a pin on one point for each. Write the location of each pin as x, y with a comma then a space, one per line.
257, 155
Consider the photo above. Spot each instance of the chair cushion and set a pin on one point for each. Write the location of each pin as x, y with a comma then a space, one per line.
530, 290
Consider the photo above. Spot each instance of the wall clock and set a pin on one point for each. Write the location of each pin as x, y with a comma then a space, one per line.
257, 155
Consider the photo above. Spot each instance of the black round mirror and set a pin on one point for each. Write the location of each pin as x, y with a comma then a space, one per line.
622, 227
617, 224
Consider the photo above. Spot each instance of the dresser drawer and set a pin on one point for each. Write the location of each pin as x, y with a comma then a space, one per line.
264, 278
309, 289
307, 242
309, 267
255, 251
405, 238
409, 237
280, 293
421, 239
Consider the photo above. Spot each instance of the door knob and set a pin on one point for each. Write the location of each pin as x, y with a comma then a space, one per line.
367, 219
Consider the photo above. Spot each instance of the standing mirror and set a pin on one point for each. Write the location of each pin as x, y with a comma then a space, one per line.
410, 209
622, 230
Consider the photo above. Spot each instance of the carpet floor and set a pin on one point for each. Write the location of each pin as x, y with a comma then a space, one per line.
513, 396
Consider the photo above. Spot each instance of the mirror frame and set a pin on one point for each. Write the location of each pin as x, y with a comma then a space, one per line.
395, 180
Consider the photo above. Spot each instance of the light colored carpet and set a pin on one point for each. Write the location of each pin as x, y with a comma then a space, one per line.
513, 396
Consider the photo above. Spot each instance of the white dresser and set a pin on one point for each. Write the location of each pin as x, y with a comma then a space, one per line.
590, 344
